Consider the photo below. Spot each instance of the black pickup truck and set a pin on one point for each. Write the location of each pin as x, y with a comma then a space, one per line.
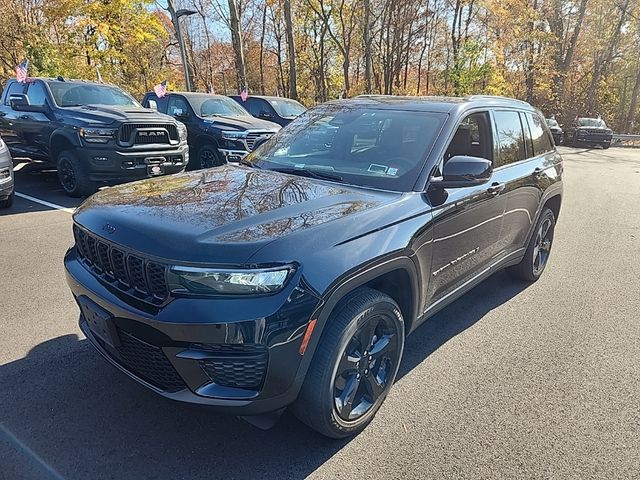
219, 129
94, 133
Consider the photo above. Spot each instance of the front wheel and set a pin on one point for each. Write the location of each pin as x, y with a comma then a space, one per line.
208, 157
7, 202
73, 176
354, 365
537, 254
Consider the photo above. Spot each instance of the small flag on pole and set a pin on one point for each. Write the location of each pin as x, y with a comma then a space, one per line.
244, 94
98, 76
161, 89
21, 71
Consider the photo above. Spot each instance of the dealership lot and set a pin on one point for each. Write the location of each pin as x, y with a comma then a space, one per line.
511, 381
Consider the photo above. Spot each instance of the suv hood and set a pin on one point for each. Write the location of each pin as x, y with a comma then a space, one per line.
114, 114
245, 122
225, 215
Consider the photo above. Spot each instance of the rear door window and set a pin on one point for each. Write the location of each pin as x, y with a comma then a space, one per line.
16, 88
539, 136
510, 136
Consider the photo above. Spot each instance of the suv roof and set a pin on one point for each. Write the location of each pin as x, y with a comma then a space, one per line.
440, 104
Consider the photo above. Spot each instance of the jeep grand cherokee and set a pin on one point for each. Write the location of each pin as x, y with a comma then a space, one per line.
293, 278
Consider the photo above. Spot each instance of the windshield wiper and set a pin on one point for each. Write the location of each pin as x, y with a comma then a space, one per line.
304, 172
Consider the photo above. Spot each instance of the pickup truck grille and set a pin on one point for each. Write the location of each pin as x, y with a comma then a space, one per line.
144, 133
129, 273
253, 136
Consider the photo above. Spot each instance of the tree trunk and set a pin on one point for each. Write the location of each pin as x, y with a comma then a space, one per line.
291, 51
367, 46
238, 49
264, 28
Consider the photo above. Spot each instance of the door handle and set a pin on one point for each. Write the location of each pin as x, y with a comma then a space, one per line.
3, 114
538, 172
25, 117
496, 188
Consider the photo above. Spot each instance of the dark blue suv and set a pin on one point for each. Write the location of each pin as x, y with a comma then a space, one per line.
293, 278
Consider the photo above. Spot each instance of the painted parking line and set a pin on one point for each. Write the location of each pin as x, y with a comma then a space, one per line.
44, 202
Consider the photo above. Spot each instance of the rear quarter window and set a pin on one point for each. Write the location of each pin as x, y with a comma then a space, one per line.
14, 88
539, 136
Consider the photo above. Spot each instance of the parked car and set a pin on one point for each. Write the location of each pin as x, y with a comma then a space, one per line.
590, 132
95, 134
6, 176
275, 109
217, 126
556, 130
293, 278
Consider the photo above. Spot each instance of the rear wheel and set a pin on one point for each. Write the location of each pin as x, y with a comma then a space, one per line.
208, 157
354, 366
73, 176
537, 255
7, 202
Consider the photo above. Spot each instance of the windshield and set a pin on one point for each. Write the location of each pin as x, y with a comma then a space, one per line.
363, 146
74, 94
286, 107
591, 122
552, 123
210, 106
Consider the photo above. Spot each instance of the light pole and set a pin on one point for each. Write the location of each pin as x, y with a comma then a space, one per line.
175, 19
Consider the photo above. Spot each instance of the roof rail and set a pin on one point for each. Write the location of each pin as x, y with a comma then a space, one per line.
495, 97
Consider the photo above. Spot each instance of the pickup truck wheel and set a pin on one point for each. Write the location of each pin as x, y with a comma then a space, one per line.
538, 251
73, 177
7, 202
208, 157
354, 365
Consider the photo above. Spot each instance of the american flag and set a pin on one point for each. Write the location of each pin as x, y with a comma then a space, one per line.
161, 89
21, 71
244, 94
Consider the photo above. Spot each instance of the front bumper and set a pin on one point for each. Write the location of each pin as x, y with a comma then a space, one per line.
199, 350
594, 140
111, 165
6, 174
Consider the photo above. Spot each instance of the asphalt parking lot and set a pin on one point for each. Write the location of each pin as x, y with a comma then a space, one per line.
511, 381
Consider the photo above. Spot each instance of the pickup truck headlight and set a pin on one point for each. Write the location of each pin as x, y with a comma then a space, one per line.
182, 131
212, 281
97, 135
233, 134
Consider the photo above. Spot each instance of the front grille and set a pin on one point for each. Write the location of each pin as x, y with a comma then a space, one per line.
236, 366
148, 362
132, 274
253, 136
127, 130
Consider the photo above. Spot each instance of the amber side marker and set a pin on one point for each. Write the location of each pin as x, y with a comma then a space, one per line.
307, 336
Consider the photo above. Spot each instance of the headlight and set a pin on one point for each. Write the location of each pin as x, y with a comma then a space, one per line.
208, 281
233, 134
97, 135
182, 131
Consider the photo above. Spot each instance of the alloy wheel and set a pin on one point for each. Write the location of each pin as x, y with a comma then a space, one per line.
67, 175
366, 367
542, 246
208, 158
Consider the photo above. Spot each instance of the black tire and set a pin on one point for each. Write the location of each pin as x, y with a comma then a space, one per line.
537, 254
73, 176
574, 142
7, 202
340, 367
606, 145
208, 157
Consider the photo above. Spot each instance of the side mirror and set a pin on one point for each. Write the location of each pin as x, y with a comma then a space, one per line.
266, 115
20, 103
153, 105
463, 171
